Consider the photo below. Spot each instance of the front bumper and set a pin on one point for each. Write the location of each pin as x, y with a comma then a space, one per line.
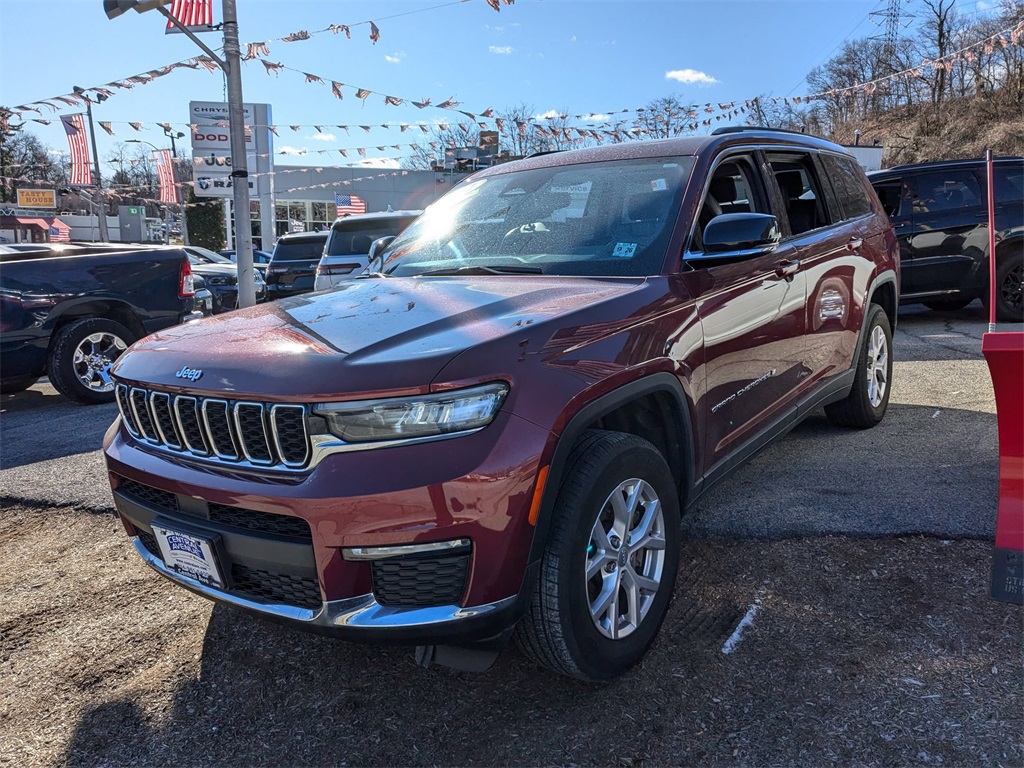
467, 488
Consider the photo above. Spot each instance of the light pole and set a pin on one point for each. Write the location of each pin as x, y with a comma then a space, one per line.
232, 66
104, 236
172, 135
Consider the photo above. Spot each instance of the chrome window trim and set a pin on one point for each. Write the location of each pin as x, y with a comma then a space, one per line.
263, 427
178, 400
235, 440
277, 440
153, 395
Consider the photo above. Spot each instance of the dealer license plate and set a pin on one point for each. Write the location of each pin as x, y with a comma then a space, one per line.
189, 555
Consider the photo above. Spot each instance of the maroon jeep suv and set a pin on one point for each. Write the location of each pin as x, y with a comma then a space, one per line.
495, 433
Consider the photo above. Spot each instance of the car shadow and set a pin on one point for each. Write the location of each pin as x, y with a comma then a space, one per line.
272, 695
38, 424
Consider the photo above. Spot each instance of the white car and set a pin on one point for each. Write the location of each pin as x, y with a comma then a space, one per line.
348, 244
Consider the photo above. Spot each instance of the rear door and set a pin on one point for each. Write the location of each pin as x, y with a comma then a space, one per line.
948, 206
293, 266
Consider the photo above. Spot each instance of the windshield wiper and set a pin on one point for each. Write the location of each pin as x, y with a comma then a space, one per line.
482, 269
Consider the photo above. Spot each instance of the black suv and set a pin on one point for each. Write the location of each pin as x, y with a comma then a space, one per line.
292, 268
940, 214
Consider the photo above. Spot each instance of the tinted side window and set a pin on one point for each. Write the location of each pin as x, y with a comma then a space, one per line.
845, 175
801, 191
1009, 182
946, 191
890, 193
735, 187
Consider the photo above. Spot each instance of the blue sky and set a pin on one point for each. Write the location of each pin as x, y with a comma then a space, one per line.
575, 56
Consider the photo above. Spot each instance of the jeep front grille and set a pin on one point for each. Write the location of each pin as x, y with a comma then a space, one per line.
228, 432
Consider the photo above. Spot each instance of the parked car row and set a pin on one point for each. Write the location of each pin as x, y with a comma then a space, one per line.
940, 215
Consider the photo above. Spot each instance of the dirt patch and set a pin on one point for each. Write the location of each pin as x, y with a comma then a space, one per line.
865, 651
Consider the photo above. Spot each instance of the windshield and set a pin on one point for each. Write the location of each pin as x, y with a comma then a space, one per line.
598, 219
354, 238
299, 250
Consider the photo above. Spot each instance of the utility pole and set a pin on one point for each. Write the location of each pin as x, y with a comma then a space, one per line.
104, 235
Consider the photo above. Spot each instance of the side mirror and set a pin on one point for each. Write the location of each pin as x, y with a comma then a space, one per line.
377, 249
741, 234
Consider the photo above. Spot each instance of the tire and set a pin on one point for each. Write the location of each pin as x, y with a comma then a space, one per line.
82, 356
1009, 277
947, 305
565, 629
865, 406
17, 384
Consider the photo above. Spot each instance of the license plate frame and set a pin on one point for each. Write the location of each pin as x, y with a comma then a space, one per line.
190, 554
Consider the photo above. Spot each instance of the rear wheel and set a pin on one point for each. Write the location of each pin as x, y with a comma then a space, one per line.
1009, 280
610, 561
865, 406
82, 356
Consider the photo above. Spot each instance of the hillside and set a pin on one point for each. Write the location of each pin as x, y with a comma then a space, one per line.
960, 128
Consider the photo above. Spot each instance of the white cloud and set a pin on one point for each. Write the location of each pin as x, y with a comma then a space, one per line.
55, 152
501, 50
597, 118
286, 150
323, 137
395, 58
690, 77
572, 39
551, 114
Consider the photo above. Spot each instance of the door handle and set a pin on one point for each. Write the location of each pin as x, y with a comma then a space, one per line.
787, 268
855, 243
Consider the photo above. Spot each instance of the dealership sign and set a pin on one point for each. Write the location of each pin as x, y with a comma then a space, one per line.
37, 198
211, 148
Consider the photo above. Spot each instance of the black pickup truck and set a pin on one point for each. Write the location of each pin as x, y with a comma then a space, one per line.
69, 311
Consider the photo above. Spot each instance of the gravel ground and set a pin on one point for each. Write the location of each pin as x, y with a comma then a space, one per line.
862, 651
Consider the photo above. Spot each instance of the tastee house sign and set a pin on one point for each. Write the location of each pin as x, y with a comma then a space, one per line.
37, 198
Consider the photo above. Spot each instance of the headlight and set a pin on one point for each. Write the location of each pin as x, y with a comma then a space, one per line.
403, 418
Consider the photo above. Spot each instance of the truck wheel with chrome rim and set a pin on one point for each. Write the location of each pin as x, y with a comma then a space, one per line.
865, 406
82, 356
610, 561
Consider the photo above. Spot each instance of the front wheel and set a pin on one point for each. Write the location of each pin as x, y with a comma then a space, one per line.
82, 356
610, 561
866, 404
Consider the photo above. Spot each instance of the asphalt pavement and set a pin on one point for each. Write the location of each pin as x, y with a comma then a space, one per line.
930, 467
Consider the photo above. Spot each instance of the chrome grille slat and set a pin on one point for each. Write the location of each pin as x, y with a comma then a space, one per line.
124, 405
291, 436
140, 409
252, 434
164, 419
217, 422
186, 408
230, 433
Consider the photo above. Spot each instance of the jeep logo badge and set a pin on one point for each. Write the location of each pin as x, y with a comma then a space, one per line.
192, 374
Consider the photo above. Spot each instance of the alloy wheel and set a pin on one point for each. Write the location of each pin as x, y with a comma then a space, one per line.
1010, 288
625, 558
878, 366
93, 358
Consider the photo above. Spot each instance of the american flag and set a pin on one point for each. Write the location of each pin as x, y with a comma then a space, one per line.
81, 170
165, 172
349, 204
197, 15
59, 231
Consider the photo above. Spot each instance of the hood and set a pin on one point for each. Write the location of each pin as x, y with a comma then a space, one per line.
367, 336
210, 269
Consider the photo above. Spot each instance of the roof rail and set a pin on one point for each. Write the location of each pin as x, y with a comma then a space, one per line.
743, 128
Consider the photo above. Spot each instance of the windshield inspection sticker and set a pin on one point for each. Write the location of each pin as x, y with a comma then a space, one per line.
658, 185
624, 250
